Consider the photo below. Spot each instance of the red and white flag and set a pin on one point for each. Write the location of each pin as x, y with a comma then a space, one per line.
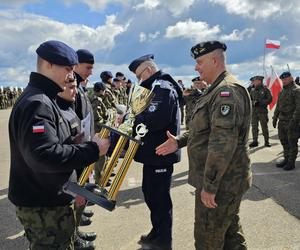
274, 83
38, 129
272, 44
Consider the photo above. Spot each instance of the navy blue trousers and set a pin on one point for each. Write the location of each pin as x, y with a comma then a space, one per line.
156, 188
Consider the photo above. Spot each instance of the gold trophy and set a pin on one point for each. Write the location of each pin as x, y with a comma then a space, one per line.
138, 100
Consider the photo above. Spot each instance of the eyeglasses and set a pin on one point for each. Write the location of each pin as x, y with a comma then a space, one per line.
140, 74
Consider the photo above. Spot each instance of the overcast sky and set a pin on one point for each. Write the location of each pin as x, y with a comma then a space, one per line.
118, 31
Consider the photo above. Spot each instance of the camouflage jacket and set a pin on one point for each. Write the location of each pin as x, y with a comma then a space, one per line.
109, 98
288, 104
217, 139
100, 112
261, 97
190, 101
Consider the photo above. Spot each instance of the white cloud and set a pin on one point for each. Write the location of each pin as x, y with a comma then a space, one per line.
148, 38
237, 35
176, 7
147, 5
18, 3
258, 8
196, 31
96, 5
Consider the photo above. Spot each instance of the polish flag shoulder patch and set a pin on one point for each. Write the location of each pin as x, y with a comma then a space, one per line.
38, 129
225, 94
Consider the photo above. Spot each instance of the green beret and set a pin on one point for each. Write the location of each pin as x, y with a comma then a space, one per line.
201, 49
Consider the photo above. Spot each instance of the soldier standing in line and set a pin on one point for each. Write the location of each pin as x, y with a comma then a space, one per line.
287, 111
110, 99
100, 117
191, 96
43, 155
261, 97
219, 163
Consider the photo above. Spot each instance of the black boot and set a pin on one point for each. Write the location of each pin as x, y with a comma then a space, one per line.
289, 166
88, 213
80, 244
84, 221
267, 144
147, 238
282, 163
158, 244
86, 236
253, 144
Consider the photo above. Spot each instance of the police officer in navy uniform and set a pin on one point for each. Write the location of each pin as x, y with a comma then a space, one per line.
83, 70
43, 155
162, 115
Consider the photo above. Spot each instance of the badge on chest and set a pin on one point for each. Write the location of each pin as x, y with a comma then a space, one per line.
225, 109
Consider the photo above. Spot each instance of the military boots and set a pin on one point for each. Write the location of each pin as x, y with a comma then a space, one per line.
289, 166
253, 144
282, 163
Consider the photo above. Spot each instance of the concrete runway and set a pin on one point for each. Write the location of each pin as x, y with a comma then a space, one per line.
270, 211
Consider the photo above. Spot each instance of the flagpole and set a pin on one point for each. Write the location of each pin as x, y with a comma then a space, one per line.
288, 66
264, 60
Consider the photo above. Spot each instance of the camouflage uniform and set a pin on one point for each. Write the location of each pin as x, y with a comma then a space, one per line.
261, 97
190, 101
109, 99
100, 116
288, 112
219, 161
1, 99
48, 228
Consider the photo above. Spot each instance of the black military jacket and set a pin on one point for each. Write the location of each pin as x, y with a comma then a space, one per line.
42, 156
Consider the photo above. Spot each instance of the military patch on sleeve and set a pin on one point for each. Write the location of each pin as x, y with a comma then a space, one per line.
225, 94
225, 109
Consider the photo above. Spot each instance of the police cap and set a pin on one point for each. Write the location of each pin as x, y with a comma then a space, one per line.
85, 56
99, 86
203, 48
137, 62
285, 75
253, 78
58, 53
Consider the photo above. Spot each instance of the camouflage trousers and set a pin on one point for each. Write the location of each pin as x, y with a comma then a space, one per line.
218, 228
262, 118
98, 168
289, 140
48, 228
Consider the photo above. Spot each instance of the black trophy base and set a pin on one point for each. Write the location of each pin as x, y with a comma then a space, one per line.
92, 193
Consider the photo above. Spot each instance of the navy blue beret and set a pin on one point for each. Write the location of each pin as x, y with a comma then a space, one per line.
85, 56
57, 52
196, 79
285, 75
201, 49
256, 78
106, 75
137, 62
99, 86
116, 80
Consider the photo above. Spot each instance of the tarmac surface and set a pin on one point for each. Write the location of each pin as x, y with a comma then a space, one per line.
270, 210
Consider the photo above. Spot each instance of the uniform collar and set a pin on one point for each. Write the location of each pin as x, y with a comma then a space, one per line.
63, 104
289, 85
148, 83
219, 79
49, 87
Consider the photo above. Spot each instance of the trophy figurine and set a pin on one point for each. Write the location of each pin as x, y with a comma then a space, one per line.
138, 100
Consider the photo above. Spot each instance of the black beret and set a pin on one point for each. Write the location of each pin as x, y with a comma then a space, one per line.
58, 53
85, 56
253, 78
285, 75
128, 81
99, 86
106, 75
137, 62
119, 74
201, 49
196, 79
116, 80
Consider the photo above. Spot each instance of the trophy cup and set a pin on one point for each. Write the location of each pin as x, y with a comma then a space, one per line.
138, 100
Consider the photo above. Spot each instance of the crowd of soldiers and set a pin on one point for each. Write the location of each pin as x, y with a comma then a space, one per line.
8, 96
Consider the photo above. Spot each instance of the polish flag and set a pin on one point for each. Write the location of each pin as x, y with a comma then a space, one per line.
274, 83
38, 129
272, 44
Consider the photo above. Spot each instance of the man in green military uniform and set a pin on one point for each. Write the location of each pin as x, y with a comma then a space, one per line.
110, 99
261, 97
191, 96
288, 113
219, 164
